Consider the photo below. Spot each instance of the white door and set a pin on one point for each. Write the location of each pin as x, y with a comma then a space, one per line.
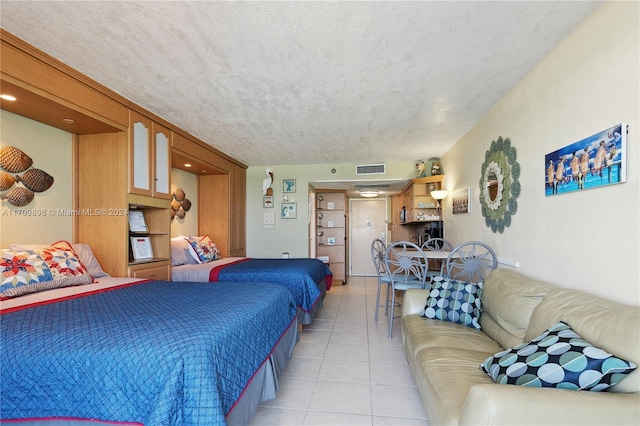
367, 221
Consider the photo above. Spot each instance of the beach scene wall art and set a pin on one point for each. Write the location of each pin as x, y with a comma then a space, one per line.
596, 161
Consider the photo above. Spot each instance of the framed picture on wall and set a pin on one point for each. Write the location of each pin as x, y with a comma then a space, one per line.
288, 185
267, 201
288, 210
596, 161
461, 201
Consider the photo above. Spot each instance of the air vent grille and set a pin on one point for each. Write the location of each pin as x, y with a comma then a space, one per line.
371, 169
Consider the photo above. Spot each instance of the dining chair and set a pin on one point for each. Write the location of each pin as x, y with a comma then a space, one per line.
406, 265
470, 261
378, 251
435, 244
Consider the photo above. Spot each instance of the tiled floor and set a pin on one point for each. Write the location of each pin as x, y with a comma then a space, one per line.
345, 370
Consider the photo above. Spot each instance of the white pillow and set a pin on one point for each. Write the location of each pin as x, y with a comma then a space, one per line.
180, 254
84, 252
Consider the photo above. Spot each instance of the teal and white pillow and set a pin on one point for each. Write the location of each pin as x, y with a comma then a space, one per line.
559, 358
455, 301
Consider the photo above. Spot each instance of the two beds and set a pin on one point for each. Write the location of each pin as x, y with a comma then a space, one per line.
306, 279
145, 352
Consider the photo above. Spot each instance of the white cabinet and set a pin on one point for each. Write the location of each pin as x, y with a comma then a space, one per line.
149, 159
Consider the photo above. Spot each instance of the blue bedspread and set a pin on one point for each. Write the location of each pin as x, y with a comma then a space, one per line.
159, 353
300, 276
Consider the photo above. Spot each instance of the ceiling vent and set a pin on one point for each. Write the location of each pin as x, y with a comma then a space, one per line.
371, 169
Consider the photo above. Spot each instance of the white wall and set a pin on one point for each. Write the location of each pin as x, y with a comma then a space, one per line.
587, 240
188, 182
51, 151
292, 235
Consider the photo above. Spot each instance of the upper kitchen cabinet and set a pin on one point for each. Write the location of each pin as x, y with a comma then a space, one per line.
150, 158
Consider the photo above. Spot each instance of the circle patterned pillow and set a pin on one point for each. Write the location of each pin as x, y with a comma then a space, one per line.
455, 301
558, 358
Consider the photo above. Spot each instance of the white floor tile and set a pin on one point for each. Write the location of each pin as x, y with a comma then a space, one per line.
360, 326
397, 421
339, 397
348, 337
320, 324
293, 394
388, 353
315, 336
319, 418
303, 368
391, 373
347, 351
397, 401
336, 370
266, 416
310, 349
345, 370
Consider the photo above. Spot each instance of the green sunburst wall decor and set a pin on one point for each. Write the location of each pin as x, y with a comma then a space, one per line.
500, 160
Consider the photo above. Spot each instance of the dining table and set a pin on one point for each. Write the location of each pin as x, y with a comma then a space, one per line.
437, 256
431, 254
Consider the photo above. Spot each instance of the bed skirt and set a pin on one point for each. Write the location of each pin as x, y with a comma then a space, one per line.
264, 384
306, 318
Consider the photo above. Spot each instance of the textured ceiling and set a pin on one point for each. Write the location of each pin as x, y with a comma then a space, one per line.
275, 83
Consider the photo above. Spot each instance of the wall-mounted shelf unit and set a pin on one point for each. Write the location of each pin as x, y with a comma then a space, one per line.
331, 241
158, 231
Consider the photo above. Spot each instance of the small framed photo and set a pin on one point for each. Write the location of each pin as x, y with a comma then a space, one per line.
288, 210
331, 241
141, 248
288, 185
267, 201
461, 201
137, 222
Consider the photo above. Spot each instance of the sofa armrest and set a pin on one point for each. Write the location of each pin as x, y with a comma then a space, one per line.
413, 301
492, 404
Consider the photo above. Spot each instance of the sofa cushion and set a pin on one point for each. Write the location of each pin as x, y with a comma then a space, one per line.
508, 300
420, 333
558, 358
446, 375
611, 326
455, 301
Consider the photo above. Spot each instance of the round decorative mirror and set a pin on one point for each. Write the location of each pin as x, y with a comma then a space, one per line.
499, 186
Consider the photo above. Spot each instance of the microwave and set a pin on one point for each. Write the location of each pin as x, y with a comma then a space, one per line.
403, 215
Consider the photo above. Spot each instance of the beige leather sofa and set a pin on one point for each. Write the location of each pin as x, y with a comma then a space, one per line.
444, 357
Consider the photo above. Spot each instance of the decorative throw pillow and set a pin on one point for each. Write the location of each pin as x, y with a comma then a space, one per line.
559, 358
23, 271
65, 265
84, 252
203, 250
456, 301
